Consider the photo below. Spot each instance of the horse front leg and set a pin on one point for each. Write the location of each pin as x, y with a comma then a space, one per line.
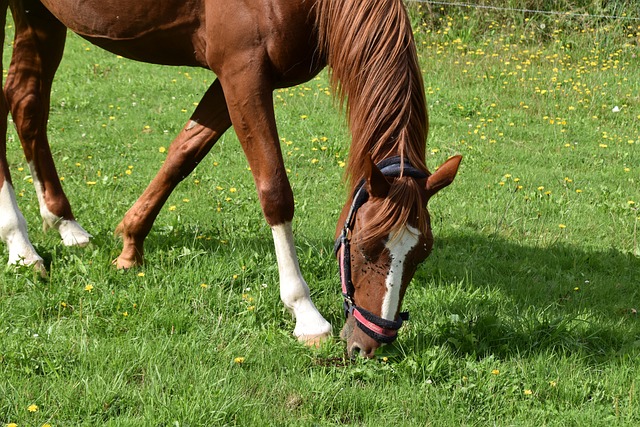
38, 46
208, 122
251, 107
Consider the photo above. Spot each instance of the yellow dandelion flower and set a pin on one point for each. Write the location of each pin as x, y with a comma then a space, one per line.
91, 183
125, 313
528, 392
562, 226
238, 360
172, 208
232, 190
631, 202
204, 285
540, 188
32, 408
496, 372
162, 149
553, 383
141, 274
88, 288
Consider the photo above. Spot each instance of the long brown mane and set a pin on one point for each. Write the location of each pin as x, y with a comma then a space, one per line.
369, 47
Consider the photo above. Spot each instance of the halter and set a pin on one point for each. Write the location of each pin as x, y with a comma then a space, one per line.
381, 330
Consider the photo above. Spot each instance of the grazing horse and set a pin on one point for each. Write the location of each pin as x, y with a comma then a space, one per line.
253, 47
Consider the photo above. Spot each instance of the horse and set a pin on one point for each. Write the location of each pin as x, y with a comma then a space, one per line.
253, 47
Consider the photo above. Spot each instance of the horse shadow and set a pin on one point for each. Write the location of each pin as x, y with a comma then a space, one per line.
490, 296
478, 295
498, 298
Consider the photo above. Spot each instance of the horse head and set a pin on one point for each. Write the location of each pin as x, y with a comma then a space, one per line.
386, 235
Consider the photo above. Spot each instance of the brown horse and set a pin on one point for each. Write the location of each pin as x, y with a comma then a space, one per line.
253, 47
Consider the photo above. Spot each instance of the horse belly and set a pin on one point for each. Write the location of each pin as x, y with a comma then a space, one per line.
162, 32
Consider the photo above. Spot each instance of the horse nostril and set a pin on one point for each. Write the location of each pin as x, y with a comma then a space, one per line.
354, 351
360, 350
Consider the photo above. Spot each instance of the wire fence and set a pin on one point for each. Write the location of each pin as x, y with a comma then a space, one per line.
534, 11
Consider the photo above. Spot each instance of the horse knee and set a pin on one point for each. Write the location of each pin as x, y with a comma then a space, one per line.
276, 199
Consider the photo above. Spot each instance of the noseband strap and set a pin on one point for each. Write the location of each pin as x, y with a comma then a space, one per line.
380, 329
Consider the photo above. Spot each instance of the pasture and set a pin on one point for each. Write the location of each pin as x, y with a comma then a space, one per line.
524, 314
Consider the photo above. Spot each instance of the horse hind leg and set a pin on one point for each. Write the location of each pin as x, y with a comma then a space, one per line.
13, 227
38, 46
208, 122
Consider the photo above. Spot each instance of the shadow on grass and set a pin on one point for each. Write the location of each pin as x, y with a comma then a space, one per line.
503, 299
477, 295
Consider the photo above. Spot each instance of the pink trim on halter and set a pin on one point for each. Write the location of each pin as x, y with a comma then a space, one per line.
372, 326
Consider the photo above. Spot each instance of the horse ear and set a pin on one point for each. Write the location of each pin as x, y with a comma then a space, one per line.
443, 176
375, 182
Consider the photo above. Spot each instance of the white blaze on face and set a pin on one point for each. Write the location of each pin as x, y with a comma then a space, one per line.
400, 244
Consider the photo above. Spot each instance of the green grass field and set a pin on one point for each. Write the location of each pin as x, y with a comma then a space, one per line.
525, 314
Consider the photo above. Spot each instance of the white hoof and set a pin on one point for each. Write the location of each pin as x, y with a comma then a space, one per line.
311, 328
73, 234
27, 256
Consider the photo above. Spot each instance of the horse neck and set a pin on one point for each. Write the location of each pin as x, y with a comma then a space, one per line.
369, 47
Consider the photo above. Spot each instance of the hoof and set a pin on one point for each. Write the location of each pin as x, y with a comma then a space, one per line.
39, 268
314, 341
73, 234
124, 263
37, 264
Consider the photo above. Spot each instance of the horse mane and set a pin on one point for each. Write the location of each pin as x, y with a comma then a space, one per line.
370, 50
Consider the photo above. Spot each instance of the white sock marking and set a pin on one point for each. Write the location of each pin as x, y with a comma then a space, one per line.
13, 229
71, 232
294, 291
399, 246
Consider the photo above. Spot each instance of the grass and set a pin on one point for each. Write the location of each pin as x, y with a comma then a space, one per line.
525, 314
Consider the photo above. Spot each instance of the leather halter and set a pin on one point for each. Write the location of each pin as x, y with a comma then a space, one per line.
378, 328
